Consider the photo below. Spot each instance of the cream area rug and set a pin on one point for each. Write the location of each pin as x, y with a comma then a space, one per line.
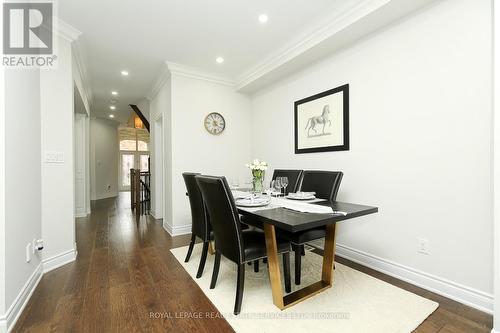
356, 303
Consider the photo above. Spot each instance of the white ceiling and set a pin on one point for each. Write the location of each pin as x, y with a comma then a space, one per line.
140, 36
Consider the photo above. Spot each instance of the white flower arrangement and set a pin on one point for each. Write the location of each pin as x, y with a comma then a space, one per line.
257, 165
258, 169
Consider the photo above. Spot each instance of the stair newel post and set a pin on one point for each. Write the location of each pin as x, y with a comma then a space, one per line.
132, 189
137, 183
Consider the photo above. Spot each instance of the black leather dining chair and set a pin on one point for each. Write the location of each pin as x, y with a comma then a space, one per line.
200, 220
236, 245
326, 184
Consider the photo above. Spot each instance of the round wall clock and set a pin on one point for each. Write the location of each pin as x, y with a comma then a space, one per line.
215, 123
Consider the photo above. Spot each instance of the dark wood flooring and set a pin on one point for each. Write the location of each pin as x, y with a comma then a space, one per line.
126, 280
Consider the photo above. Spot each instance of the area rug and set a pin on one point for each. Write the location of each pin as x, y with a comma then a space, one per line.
356, 303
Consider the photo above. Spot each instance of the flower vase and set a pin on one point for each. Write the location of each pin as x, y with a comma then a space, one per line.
258, 185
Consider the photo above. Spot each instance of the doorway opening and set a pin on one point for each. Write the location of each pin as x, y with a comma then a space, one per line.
134, 153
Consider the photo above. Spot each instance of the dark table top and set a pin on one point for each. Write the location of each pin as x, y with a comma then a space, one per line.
294, 221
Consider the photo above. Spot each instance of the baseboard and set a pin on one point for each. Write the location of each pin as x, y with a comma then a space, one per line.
460, 293
58, 260
10, 318
153, 214
80, 214
177, 230
106, 196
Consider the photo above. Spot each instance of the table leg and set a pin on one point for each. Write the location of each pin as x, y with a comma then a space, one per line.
211, 248
306, 292
274, 265
329, 254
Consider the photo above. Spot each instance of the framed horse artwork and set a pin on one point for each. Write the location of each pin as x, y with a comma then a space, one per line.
322, 122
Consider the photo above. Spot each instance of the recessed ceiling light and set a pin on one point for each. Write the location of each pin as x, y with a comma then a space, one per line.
263, 18
114, 93
219, 60
112, 107
111, 116
124, 73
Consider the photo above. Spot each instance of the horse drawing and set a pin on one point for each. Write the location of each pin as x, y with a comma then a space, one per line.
323, 119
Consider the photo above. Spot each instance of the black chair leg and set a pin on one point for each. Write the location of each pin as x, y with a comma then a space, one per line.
256, 266
204, 253
264, 260
286, 271
240, 284
302, 250
190, 249
215, 273
298, 264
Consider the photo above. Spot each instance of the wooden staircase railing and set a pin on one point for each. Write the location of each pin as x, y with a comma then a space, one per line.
140, 192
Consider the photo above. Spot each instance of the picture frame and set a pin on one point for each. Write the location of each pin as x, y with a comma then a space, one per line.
322, 121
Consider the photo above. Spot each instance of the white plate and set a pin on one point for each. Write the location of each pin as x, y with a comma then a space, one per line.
249, 203
293, 197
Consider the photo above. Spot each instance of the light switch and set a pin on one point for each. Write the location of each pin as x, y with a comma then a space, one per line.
54, 157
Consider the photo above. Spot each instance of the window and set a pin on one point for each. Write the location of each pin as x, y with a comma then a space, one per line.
128, 145
142, 146
134, 153
132, 139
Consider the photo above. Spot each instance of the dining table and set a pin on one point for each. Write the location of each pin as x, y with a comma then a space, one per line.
297, 216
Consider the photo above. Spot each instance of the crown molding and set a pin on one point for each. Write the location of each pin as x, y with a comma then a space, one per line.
194, 73
159, 82
81, 66
66, 31
171, 68
325, 29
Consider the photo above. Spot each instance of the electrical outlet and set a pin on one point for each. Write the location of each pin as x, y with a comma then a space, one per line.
423, 246
28, 252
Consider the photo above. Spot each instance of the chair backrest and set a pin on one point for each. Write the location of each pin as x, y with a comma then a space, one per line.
325, 183
224, 216
293, 176
201, 224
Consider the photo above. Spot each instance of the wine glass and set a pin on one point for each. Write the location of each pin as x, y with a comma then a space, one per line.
284, 184
268, 191
235, 183
277, 184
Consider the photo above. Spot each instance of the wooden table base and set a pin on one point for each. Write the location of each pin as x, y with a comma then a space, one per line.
306, 292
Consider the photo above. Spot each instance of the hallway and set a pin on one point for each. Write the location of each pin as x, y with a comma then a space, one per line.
123, 272
126, 280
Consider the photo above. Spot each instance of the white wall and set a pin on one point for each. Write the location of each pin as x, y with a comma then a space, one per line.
496, 165
182, 104
2, 199
160, 111
156, 160
194, 149
421, 141
21, 181
57, 110
103, 159
87, 165
81, 160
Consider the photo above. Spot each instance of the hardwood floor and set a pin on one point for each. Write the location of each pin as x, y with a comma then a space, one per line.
126, 280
